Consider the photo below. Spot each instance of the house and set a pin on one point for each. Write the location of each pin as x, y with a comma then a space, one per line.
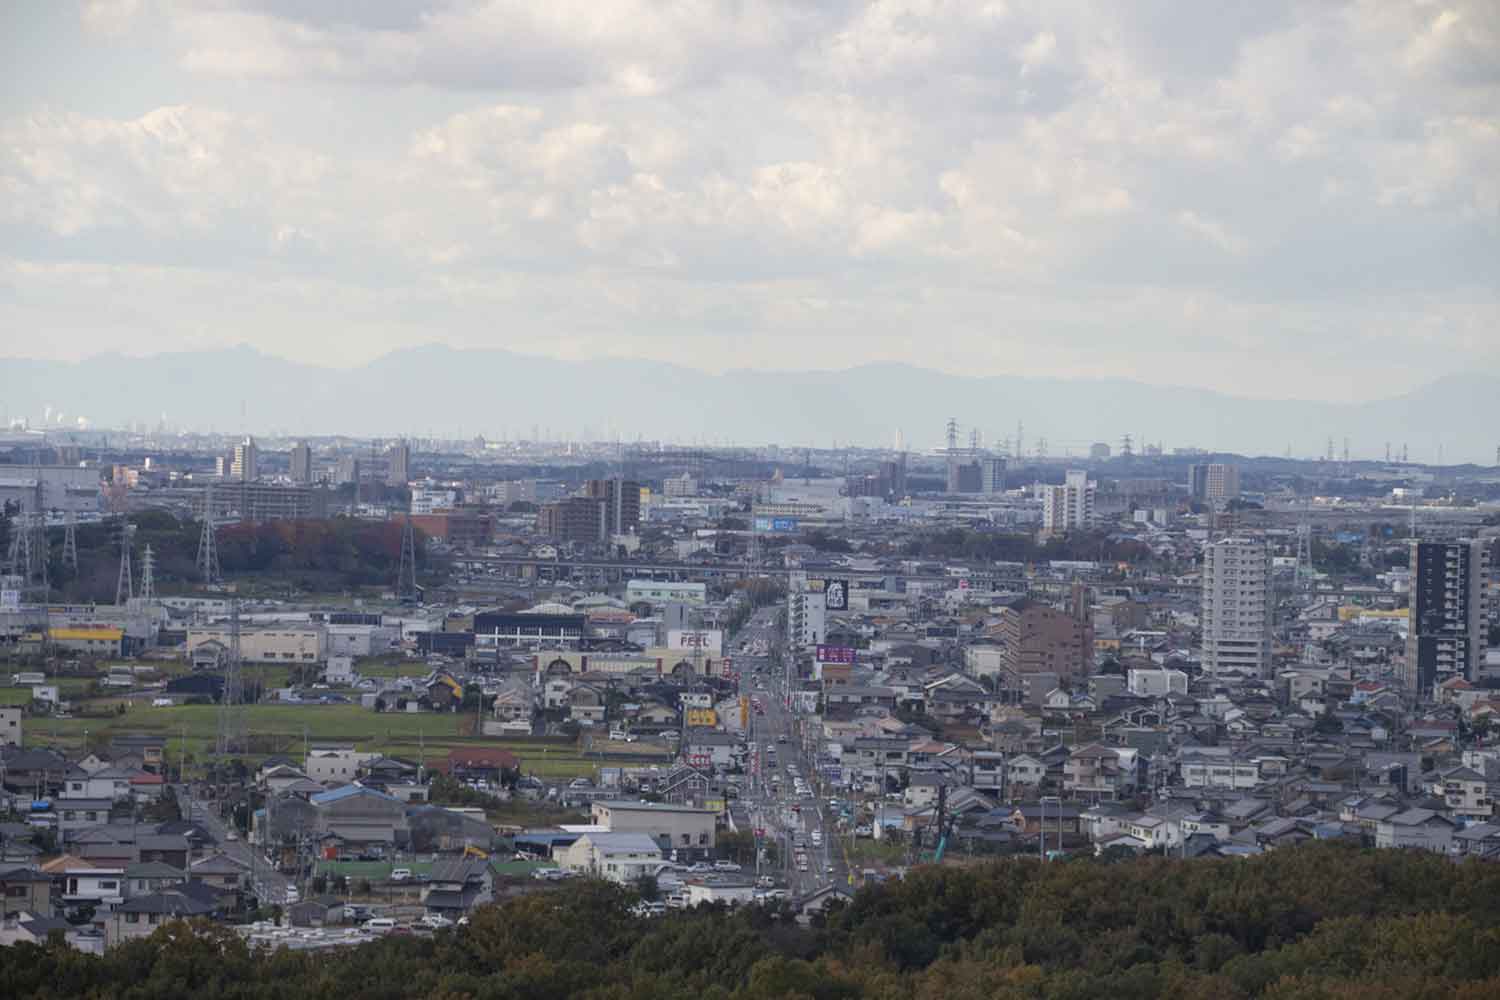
168, 849
220, 871
93, 886
922, 791
146, 877
77, 815
1055, 817
618, 857
1466, 794
141, 916
455, 887
444, 692
24, 888
478, 764
709, 748
1481, 840
335, 765
29, 927
361, 816
1098, 773
1025, 774
1418, 828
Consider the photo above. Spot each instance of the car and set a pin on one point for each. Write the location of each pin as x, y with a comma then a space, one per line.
401, 875
726, 866
802, 866
354, 913
231, 836
700, 867
379, 925
781, 739
765, 882
830, 869
292, 895
434, 921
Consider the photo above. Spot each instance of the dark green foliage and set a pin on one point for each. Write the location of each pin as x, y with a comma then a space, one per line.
1321, 921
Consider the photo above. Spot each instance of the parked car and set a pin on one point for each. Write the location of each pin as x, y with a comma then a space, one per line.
401, 875
380, 925
726, 866
700, 867
434, 921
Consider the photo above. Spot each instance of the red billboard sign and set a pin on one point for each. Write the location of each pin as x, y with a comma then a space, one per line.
835, 654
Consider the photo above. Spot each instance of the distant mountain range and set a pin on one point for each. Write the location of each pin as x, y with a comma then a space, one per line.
435, 389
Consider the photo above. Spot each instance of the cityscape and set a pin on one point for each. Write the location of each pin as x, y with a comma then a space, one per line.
872, 500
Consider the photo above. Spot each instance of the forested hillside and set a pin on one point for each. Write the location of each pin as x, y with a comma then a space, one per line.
1324, 921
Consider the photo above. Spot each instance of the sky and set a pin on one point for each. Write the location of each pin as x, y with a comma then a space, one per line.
1273, 199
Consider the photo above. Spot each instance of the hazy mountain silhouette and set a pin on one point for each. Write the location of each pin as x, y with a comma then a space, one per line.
497, 393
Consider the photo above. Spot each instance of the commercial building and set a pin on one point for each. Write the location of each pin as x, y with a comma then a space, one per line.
246, 464
10, 727
1070, 506
1238, 605
299, 466
671, 827
493, 629
1447, 620
270, 645
62, 487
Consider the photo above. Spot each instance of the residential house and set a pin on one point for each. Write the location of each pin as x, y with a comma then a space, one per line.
619, 857
455, 887
1418, 828
141, 916
24, 888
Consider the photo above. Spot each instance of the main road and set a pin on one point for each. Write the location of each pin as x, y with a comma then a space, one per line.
782, 751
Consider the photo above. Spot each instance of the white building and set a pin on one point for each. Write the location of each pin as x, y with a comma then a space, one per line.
806, 618
1069, 506
619, 857
246, 464
1144, 682
1238, 605
10, 727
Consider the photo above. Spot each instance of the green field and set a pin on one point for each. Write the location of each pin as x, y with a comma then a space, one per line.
282, 728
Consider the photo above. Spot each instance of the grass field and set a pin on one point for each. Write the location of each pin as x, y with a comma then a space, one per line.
281, 729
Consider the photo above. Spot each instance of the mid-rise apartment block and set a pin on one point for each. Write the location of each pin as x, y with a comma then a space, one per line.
1447, 619
1216, 482
246, 464
1070, 506
1238, 607
300, 465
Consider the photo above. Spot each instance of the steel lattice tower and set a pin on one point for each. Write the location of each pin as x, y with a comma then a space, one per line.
406, 570
148, 583
232, 725
125, 584
70, 542
208, 552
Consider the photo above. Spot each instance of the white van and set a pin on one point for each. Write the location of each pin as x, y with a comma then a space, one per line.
380, 925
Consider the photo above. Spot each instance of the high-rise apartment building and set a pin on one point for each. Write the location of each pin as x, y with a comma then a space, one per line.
1215, 482
300, 465
398, 468
992, 474
574, 519
348, 470
622, 499
1447, 621
1238, 607
246, 465
1069, 506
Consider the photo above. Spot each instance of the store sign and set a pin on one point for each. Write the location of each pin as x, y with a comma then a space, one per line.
836, 595
835, 654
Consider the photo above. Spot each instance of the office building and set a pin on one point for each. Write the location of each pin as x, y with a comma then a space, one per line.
398, 470
622, 502
248, 501
300, 465
1238, 606
1447, 618
1070, 506
246, 465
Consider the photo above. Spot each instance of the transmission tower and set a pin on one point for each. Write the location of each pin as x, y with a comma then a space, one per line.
951, 434
208, 552
1304, 571
148, 583
231, 736
70, 542
406, 570
125, 584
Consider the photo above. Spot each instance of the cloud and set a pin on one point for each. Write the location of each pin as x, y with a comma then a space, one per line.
909, 179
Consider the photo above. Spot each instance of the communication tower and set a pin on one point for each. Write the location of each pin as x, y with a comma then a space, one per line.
70, 541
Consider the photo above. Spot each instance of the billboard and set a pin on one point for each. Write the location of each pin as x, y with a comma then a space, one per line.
696, 640
779, 525
835, 654
836, 595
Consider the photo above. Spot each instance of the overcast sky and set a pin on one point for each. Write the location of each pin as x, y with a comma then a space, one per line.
1272, 199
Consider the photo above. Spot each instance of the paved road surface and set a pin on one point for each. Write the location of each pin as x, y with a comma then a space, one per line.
774, 806
270, 885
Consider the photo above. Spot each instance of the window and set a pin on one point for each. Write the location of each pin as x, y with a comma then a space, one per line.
132, 918
153, 918
108, 885
15, 891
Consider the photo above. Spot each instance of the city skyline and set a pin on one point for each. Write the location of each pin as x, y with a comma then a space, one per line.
1152, 191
